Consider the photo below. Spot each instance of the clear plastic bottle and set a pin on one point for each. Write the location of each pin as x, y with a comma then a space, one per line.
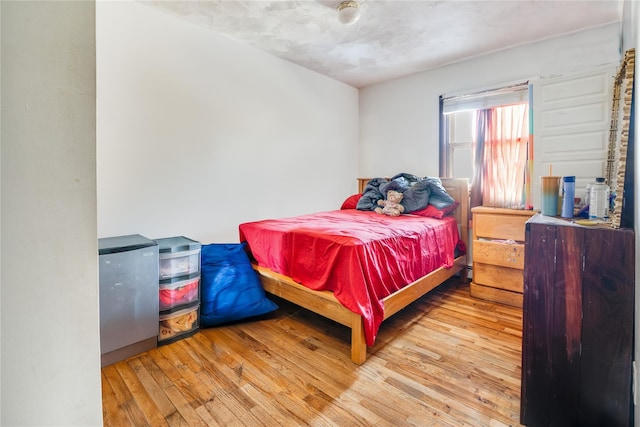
587, 194
599, 200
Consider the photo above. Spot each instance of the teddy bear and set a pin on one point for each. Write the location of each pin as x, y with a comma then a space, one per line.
391, 206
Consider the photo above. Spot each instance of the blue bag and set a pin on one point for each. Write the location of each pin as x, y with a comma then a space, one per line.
230, 288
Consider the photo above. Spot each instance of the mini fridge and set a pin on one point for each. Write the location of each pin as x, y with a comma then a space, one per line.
128, 278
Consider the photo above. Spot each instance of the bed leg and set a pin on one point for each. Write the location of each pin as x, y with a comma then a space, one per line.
358, 342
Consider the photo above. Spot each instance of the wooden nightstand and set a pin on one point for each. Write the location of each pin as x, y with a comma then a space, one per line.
498, 254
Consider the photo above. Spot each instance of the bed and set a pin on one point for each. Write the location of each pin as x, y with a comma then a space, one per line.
337, 283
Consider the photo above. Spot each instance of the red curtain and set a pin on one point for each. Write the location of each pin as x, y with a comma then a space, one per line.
501, 156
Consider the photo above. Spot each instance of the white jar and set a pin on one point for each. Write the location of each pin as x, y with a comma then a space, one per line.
599, 200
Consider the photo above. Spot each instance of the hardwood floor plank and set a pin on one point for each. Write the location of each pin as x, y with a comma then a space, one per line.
125, 400
227, 378
170, 381
296, 389
429, 389
194, 383
162, 404
292, 349
312, 368
222, 414
133, 381
273, 406
447, 378
111, 411
446, 360
209, 420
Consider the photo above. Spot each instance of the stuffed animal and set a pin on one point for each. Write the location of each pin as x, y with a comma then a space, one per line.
391, 206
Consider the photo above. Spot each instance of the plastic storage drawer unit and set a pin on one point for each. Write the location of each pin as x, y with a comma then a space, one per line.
179, 291
179, 256
178, 324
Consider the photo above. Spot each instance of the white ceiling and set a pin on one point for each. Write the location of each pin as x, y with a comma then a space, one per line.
392, 38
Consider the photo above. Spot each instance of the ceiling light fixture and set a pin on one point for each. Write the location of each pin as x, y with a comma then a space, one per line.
348, 12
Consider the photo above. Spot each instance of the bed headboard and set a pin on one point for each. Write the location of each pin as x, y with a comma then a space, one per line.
458, 188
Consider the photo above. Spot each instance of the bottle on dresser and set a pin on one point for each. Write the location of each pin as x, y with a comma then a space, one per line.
568, 196
599, 200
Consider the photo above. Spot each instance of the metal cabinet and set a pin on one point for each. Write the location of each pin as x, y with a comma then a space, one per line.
128, 281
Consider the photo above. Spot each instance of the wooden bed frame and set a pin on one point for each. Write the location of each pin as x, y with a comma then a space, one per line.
325, 304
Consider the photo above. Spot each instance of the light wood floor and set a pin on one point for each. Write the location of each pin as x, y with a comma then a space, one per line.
446, 360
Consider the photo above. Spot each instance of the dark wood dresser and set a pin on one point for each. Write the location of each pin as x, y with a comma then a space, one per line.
578, 316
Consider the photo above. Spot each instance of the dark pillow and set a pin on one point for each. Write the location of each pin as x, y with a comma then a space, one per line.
230, 287
417, 197
432, 212
370, 195
439, 196
351, 202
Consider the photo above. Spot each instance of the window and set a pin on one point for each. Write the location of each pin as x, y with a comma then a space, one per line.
485, 137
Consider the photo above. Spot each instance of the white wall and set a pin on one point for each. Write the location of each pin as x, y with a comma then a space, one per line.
197, 133
49, 307
0, 218
399, 126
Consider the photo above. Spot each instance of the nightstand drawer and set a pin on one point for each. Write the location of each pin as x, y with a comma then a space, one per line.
497, 253
505, 227
510, 279
497, 295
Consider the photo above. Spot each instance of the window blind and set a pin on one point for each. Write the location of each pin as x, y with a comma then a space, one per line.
516, 94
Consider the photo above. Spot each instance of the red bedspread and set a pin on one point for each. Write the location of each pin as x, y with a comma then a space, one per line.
360, 256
